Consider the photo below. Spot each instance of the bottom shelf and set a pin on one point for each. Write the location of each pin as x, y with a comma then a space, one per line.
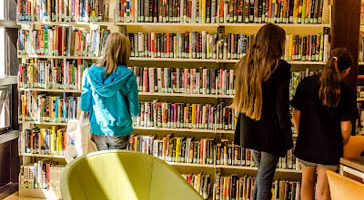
40, 193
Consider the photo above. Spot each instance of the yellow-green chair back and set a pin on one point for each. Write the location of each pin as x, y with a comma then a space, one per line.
123, 175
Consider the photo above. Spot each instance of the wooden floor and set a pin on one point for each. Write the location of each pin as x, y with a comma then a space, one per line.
16, 197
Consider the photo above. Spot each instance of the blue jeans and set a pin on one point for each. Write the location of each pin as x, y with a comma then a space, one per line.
267, 164
109, 142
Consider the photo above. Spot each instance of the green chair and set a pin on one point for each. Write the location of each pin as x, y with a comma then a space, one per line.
123, 175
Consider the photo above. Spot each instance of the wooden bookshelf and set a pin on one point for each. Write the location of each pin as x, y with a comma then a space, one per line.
250, 28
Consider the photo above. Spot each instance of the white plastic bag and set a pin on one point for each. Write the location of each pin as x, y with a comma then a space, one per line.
78, 139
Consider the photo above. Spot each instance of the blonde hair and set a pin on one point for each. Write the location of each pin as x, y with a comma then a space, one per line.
116, 52
256, 67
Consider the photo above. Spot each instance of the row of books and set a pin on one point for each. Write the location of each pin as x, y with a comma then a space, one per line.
62, 10
184, 80
205, 151
219, 11
241, 187
200, 182
62, 41
185, 115
361, 45
43, 141
41, 175
43, 108
203, 45
52, 74
297, 77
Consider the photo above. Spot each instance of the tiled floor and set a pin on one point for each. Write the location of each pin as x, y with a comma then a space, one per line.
16, 197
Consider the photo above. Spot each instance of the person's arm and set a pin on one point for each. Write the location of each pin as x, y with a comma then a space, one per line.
346, 127
296, 115
132, 96
86, 94
282, 103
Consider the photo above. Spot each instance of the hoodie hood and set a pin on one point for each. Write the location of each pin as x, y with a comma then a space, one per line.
108, 86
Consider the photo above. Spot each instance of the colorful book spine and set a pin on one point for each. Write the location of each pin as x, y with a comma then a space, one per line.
206, 151
43, 108
63, 10
39, 141
41, 175
174, 45
52, 74
213, 11
62, 41
241, 187
200, 182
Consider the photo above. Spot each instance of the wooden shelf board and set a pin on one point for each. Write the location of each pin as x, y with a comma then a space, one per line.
226, 131
49, 90
290, 62
167, 24
165, 59
41, 155
58, 57
44, 123
175, 129
154, 94
255, 168
177, 95
279, 24
360, 99
40, 193
190, 165
66, 23
361, 63
173, 59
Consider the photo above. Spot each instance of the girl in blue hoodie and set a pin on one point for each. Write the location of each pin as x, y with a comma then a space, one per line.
110, 95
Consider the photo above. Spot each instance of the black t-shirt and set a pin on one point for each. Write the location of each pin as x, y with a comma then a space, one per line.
319, 139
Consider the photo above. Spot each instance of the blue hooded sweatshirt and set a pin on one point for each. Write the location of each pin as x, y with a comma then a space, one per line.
111, 101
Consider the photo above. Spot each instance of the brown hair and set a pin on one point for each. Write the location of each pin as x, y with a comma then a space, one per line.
116, 52
330, 78
257, 66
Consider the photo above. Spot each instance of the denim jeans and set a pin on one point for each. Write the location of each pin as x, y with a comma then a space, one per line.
109, 142
267, 164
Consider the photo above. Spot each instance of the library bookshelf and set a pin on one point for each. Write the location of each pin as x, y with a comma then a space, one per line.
113, 23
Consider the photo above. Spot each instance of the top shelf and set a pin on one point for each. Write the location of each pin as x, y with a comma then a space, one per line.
110, 23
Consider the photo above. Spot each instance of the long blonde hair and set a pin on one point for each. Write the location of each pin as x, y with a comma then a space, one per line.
257, 66
117, 52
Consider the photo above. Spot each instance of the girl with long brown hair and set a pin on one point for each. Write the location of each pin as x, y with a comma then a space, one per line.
110, 95
322, 114
262, 99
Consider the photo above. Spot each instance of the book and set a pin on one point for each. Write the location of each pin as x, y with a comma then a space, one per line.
63, 10
241, 187
205, 151
62, 41
174, 45
223, 11
200, 182
52, 74
44, 108
43, 141
185, 115
41, 175
185, 81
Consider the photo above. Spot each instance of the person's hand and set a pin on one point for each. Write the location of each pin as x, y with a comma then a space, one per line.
85, 114
346, 140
